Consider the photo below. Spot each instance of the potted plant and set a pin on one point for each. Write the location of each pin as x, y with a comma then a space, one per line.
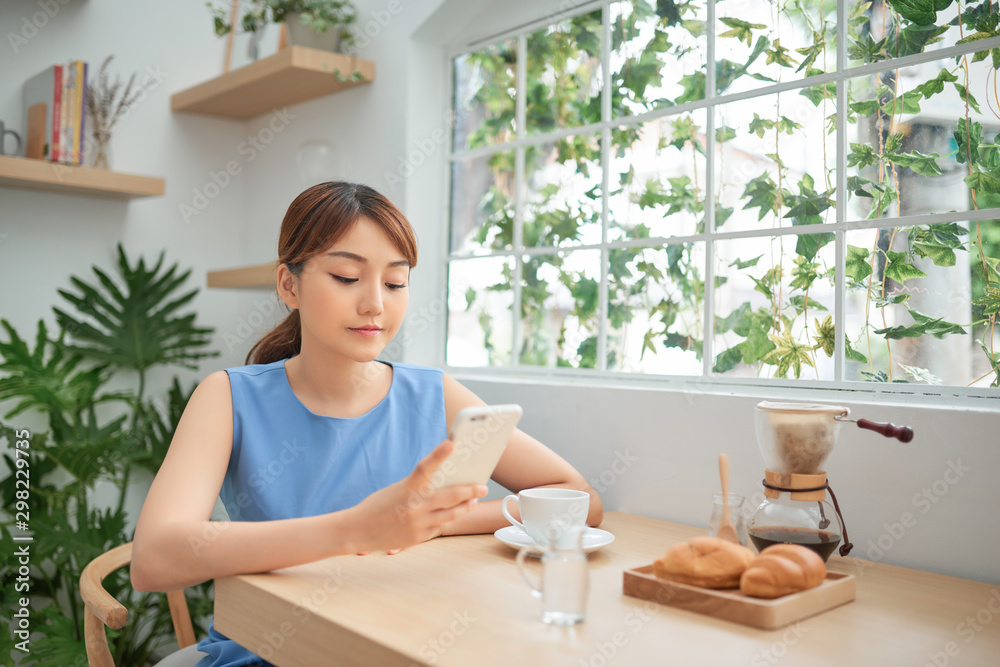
318, 24
87, 383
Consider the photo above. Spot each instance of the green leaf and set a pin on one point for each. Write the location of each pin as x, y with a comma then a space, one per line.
858, 266
991, 302
852, 354
741, 30
737, 321
762, 193
968, 137
925, 165
935, 85
898, 269
983, 182
756, 346
825, 338
727, 360
913, 39
779, 55
967, 97
921, 374
892, 300
740, 264
816, 94
135, 326
880, 376
724, 134
808, 245
920, 12
788, 355
923, 325
800, 303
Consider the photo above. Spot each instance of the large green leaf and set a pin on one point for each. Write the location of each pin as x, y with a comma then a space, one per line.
899, 269
923, 325
134, 324
49, 378
858, 266
920, 12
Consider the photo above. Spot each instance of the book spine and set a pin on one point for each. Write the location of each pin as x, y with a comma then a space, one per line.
57, 86
74, 155
83, 109
64, 119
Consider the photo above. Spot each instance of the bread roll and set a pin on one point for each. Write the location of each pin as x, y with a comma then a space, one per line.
783, 569
704, 561
810, 561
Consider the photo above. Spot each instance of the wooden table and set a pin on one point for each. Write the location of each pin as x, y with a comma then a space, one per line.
460, 601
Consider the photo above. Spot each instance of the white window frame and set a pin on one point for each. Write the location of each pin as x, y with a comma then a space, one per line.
706, 382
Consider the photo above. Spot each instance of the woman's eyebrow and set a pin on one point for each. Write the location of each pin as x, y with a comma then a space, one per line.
363, 260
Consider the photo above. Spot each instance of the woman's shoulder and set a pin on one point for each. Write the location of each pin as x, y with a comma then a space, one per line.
256, 369
416, 369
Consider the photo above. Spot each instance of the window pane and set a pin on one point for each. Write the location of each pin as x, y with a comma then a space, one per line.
563, 202
480, 299
559, 309
761, 43
876, 32
775, 164
658, 55
482, 203
912, 294
484, 94
657, 178
911, 143
774, 302
564, 75
655, 309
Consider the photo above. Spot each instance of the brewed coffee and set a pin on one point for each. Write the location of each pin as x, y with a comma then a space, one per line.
820, 541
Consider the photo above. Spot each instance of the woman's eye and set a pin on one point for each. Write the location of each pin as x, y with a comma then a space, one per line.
393, 286
342, 279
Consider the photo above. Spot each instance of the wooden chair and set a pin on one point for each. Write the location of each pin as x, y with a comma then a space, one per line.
104, 610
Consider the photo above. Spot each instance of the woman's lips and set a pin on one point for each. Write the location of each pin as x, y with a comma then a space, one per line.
367, 332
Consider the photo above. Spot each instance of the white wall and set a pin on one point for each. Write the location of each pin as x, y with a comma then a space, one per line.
673, 436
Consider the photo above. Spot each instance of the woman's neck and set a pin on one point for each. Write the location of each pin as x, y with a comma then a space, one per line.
337, 387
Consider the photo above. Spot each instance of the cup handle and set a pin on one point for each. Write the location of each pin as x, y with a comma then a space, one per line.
503, 507
534, 584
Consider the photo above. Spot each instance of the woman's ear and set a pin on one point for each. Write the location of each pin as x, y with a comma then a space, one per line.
288, 287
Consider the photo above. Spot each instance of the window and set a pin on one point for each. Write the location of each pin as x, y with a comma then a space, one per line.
725, 190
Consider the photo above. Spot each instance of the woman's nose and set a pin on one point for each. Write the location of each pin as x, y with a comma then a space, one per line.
371, 302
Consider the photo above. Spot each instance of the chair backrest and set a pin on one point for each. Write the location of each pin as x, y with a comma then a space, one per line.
104, 610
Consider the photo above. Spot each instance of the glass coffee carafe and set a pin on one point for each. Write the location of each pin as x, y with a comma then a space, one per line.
795, 440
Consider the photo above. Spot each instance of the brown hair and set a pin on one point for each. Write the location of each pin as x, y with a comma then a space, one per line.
315, 220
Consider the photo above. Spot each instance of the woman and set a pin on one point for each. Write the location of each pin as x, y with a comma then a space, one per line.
318, 449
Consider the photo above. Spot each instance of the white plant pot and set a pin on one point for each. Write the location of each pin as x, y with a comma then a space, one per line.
300, 34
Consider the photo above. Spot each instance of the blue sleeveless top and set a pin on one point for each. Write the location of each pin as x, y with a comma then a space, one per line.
289, 462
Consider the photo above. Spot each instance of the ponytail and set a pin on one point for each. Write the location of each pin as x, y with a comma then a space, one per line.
281, 342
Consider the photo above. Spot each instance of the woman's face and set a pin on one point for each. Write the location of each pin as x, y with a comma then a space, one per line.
353, 296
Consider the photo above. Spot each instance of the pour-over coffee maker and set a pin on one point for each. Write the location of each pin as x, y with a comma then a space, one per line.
795, 440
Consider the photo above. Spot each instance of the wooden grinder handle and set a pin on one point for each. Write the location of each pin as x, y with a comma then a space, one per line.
901, 433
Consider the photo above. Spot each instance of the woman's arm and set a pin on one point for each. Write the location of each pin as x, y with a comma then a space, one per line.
176, 545
526, 463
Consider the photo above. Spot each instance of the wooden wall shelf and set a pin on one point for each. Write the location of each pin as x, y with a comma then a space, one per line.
19, 172
292, 75
260, 276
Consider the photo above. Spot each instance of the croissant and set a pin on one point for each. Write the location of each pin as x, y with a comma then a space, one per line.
782, 569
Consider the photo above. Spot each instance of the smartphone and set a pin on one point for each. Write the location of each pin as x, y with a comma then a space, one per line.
480, 434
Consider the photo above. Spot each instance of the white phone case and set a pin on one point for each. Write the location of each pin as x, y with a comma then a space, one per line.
480, 435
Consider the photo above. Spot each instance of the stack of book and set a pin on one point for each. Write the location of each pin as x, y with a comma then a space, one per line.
55, 105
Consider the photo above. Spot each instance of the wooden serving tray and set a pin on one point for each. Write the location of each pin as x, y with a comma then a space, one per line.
733, 605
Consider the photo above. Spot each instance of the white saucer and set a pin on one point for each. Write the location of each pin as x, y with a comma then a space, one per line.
593, 538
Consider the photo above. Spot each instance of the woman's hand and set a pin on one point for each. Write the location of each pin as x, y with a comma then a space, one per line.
410, 511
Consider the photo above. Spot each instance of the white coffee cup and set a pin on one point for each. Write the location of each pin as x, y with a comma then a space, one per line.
541, 507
